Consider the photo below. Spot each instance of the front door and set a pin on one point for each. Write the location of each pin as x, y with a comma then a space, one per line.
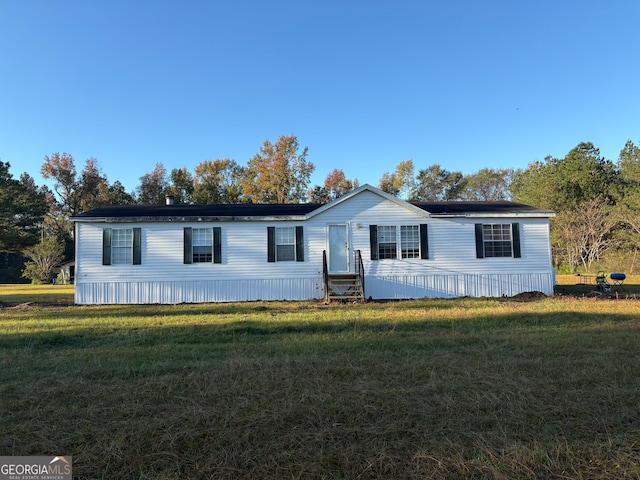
338, 249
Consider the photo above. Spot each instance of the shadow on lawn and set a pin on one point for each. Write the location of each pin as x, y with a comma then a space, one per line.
303, 333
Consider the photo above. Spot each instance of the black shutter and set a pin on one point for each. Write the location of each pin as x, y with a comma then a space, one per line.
271, 244
373, 240
479, 241
106, 246
137, 246
299, 244
515, 234
424, 242
217, 245
188, 242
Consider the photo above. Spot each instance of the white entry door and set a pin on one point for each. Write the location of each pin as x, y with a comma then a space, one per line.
338, 248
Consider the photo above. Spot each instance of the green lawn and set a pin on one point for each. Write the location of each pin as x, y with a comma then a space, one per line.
419, 389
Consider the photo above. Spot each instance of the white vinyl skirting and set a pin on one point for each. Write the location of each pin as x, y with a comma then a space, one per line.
388, 287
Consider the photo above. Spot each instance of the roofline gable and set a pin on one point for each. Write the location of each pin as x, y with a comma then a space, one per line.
368, 188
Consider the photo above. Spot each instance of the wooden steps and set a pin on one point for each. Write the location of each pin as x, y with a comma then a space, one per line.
344, 286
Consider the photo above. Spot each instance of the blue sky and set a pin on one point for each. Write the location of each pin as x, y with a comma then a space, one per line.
365, 85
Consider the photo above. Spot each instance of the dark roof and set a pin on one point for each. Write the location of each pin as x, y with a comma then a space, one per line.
462, 208
216, 210
254, 210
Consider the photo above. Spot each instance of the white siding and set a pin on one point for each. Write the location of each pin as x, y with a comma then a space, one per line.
244, 273
452, 269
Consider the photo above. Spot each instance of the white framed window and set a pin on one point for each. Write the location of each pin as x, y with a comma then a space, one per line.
399, 242
202, 246
285, 244
497, 240
387, 242
410, 241
121, 246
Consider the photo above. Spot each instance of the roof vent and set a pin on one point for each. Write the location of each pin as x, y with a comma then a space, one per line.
168, 200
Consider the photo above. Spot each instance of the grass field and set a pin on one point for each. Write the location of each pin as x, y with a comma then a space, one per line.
466, 388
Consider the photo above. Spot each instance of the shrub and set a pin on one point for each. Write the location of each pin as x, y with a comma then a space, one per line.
44, 260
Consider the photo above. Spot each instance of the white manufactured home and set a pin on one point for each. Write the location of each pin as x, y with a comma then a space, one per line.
366, 244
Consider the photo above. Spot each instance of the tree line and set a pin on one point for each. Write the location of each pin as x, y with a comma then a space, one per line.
596, 200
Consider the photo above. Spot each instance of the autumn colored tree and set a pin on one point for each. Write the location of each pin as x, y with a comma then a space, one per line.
400, 182
75, 192
388, 183
279, 173
62, 169
93, 188
405, 179
337, 185
153, 187
218, 181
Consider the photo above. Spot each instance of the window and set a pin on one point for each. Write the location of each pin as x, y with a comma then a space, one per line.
410, 241
202, 245
285, 244
387, 242
121, 246
497, 240
393, 242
